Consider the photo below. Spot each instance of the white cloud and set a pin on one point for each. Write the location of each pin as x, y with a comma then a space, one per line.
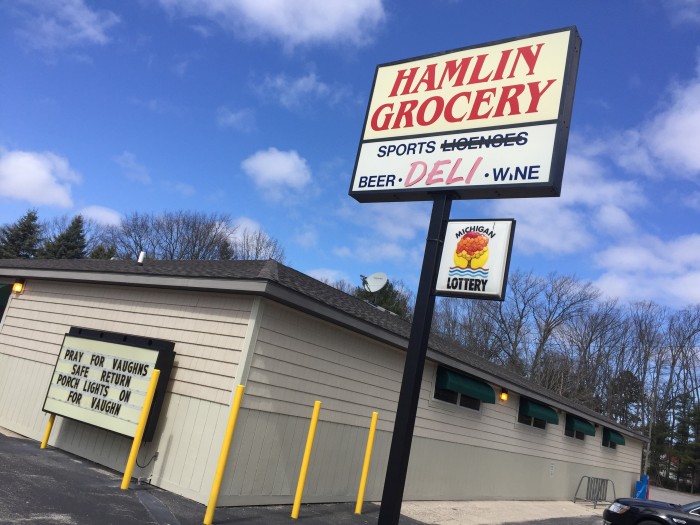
391, 220
242, 225
133, 169
61, 24
683, 11
593, 203
277, 172
666, 144
241, 120
186, 190
293, 93
328, 275
291, 22
674, 134
666, 271
692, 200
38, 178
307, 237
102, 215
246, 223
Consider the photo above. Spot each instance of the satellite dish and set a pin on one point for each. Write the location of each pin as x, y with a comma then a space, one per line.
374, 282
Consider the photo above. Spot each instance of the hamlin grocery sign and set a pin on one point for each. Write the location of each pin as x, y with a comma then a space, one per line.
489, 121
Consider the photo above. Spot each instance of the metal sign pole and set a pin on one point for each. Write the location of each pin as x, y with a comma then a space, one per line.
395, 480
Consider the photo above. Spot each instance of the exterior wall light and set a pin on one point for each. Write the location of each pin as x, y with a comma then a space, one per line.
18, 287
504, 395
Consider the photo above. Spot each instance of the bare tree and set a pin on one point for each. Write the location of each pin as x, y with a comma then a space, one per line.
184, 235
562, 299
256, 245
513, 320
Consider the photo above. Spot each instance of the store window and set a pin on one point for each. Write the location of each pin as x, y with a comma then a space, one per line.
536, 414
461, 390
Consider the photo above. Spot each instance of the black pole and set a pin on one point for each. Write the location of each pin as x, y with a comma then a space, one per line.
395, 480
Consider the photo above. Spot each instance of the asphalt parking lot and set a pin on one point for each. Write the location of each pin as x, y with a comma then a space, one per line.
52, 487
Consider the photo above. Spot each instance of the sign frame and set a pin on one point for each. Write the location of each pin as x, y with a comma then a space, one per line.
164, 362
555, 159
505, 252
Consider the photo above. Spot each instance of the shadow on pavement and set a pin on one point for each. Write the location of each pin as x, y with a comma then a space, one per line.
53, 487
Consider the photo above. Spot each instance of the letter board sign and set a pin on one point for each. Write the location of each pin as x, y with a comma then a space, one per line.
490, 121
101, 378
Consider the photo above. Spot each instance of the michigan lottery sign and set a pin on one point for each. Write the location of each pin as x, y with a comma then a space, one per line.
475, 258
490, 121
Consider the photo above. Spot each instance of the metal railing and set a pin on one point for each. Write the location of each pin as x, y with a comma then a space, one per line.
596, 490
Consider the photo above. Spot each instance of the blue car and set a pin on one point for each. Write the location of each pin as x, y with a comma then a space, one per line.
630, 511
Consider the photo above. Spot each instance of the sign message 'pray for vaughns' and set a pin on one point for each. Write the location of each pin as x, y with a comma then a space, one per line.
101, 378
475, 259
484, 122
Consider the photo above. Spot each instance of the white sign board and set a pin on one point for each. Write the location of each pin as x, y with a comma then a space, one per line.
101, 383
482, 122
475, 258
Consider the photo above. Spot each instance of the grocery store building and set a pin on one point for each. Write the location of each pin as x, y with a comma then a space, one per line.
292, 340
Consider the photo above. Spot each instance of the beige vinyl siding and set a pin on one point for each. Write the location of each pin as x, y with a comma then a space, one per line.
299, 359
495, 426
457, 453
208, 329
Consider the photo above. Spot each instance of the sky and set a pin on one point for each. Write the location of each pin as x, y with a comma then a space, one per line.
255, 108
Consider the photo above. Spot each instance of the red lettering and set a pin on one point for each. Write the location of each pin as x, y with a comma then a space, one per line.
433, 175
409, 178
483, 96
536, 94
451, 179
387, 118
502, 63
509, 96
428, 79
449, 113
530, 58
401, 77
439, 105
452, 68
405, 109
474, 79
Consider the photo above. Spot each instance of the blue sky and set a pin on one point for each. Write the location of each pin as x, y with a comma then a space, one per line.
255, 108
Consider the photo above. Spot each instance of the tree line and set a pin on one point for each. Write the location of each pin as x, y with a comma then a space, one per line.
635, 363
179, 235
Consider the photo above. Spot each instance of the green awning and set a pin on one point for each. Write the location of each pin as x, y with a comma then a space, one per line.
538, 411
449, 380
579, 425
613, 437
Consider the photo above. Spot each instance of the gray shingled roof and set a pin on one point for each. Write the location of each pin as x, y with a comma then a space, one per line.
299, 283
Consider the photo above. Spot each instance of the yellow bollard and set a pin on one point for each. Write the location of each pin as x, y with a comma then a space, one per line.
47, 432
305, 461
223, 457
140, 429
365, 466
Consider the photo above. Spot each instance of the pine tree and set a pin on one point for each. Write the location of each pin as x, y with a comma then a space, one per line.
69, 244
21, 239
102, 251
393, 297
